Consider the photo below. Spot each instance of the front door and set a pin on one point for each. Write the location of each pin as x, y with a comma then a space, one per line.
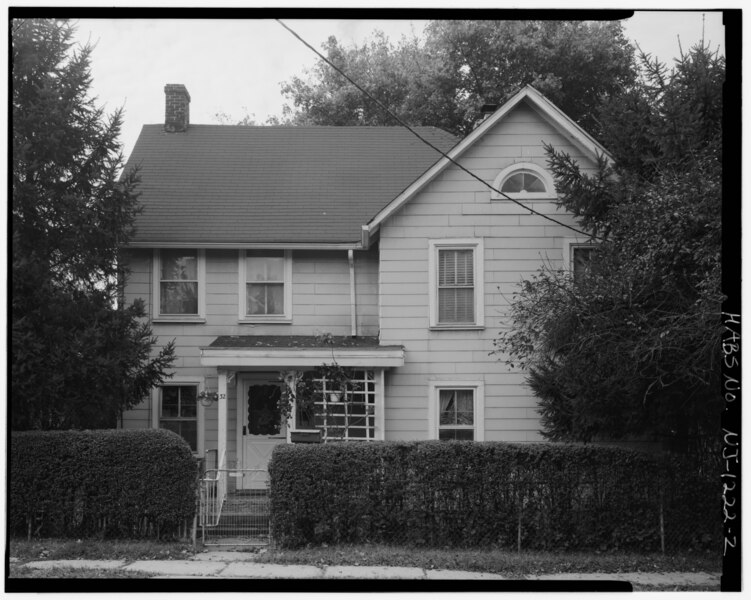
263, 428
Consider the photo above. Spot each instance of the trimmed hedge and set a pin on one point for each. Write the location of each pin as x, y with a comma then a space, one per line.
531, 496
108, 483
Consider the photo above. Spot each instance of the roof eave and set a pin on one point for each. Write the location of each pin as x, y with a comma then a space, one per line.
385, 357
250, 246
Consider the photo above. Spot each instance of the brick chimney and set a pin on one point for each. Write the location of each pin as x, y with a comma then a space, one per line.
177, 108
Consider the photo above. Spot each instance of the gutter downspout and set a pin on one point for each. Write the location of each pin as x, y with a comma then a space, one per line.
352, 301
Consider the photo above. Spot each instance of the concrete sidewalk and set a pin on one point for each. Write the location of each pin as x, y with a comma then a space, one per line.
242, 565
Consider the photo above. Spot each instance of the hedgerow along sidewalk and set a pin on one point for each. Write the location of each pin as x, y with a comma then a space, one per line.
243, 565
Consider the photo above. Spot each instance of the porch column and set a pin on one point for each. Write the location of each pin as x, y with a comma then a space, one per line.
222, 416
380, 404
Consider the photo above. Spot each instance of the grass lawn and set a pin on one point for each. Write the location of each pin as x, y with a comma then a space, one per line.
494, 561
93, 549
483, 560
21, 572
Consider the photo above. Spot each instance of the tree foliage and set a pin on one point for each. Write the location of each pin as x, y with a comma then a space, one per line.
633, 346
79, 355
462, 65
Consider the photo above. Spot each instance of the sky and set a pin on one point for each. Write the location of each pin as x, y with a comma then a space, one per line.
236, 66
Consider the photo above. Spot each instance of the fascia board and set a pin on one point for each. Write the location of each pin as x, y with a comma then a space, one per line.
248, 246
313, 357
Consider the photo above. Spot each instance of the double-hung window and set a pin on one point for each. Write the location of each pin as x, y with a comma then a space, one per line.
456, 284
265, 285
178, 412
457, 410
179, 284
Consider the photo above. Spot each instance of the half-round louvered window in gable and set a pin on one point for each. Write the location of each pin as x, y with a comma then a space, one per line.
523, 180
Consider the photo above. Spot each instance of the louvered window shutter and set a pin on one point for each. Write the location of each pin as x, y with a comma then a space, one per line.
456, 286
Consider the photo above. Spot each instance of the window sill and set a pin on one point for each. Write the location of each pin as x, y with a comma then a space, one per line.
456, 327
178, 319
266, 320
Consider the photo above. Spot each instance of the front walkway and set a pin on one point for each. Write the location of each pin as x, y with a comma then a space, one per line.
243, 565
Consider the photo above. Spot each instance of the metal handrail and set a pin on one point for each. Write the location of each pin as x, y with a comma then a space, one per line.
213, 491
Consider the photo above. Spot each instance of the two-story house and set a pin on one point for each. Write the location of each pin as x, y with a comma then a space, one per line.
255, 242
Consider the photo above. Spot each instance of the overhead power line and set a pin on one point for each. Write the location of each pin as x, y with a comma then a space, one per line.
396, 118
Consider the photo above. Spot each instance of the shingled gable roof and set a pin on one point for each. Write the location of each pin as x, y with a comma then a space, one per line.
529, 95
235, 186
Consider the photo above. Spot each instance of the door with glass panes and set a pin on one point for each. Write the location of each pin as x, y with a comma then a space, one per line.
262, 427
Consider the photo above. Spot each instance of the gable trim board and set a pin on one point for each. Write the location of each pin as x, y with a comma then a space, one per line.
537, 102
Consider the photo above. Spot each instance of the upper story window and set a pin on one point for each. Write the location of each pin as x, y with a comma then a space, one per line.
577, 257
179, 284
524, 180
265, 285
456, 284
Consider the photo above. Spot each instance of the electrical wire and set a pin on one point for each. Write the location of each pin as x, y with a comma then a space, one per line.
426, 142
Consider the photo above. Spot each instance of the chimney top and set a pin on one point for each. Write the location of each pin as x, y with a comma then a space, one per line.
488, 109
177, 108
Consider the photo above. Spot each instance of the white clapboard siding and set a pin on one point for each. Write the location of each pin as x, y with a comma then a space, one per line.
320, 303
515, 244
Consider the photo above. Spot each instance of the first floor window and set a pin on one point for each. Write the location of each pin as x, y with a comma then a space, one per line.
178, 412
457, 410
456, 415
342, 414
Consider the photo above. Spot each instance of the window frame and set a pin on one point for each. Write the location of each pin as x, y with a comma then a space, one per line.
569, 246
156, 403
477, 247
243, 317
528, 167
200, 316
478, 397
369, 399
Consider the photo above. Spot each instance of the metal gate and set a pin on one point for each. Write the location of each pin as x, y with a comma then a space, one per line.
231, 515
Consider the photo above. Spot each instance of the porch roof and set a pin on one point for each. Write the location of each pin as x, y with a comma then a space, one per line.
238, 351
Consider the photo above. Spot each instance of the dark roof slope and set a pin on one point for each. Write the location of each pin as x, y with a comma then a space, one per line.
237, 184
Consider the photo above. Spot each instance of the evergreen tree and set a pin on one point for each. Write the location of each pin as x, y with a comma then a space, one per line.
79, 355
633, 346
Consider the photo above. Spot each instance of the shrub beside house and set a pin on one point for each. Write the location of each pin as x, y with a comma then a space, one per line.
103, 483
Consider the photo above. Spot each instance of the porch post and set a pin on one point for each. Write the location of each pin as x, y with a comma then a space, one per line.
222, 416
380, 404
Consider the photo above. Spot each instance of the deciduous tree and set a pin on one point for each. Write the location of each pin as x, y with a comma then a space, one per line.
461, 65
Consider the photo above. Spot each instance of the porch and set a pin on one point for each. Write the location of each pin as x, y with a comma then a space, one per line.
253, 372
